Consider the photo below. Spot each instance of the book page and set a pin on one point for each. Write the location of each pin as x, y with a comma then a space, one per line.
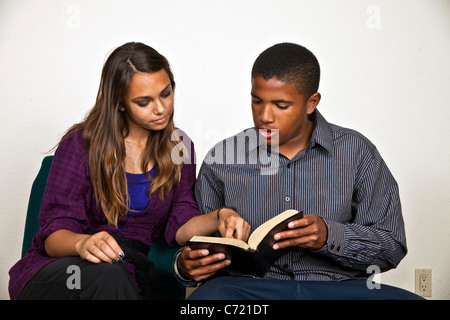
227, 241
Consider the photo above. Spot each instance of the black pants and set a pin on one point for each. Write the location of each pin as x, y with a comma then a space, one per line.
73, 278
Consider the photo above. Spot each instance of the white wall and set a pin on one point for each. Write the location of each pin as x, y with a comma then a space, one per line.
385, 67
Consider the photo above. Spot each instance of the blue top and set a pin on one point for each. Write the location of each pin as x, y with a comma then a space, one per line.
138, 184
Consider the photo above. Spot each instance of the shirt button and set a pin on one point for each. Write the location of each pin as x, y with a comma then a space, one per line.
287, 199
288, 165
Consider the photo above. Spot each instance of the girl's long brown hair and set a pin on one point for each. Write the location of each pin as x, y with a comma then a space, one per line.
105, 128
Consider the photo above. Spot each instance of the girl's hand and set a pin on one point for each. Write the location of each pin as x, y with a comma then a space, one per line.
231, 225
99, 247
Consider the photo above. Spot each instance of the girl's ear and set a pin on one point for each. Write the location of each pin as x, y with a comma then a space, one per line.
122, 106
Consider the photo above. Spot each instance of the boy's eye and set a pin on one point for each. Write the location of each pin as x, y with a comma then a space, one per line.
256, 101
281, 107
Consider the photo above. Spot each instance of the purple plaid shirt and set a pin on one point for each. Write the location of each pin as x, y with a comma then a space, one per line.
69, 203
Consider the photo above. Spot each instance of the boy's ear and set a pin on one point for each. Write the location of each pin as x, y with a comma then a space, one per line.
312, 103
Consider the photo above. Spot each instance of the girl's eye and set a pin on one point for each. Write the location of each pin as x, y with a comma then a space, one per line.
142, 104
166, 94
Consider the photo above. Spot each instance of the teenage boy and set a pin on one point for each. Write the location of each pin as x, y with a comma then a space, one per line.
294, 158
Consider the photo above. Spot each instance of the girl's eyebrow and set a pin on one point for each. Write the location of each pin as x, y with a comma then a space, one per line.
150, 97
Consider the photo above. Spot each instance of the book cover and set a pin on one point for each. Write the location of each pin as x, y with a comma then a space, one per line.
254, 257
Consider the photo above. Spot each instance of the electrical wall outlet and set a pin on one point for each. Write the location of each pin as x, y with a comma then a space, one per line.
423, 282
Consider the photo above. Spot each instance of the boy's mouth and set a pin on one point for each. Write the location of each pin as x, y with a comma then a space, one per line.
267, 133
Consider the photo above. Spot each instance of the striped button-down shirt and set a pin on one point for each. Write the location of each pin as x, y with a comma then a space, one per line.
340, 176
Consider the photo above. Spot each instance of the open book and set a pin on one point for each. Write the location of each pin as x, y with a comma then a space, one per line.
254, 257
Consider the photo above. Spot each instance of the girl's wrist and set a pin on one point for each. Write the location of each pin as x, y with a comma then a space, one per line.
218, 212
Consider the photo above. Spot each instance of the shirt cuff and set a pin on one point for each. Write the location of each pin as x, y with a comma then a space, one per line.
335, 239
178, 277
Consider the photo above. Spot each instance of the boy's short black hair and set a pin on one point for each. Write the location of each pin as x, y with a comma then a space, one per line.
290, 63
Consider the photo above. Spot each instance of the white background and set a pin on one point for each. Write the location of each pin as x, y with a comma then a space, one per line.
385, 72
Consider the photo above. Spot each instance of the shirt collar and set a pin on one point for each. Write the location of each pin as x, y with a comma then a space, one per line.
322, 134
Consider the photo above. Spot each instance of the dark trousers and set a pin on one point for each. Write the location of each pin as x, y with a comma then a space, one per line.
247, 288
73, 278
